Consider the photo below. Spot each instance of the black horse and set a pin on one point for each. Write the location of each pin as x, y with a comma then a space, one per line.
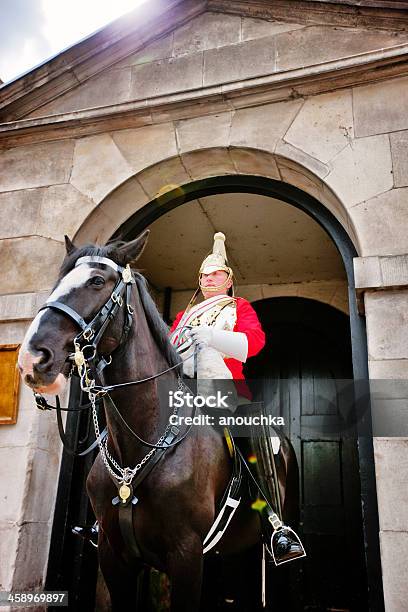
177, 501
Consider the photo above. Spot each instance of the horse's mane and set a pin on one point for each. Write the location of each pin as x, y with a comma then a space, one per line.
157, 326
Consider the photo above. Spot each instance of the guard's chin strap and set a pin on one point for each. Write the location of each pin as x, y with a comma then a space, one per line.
218, 287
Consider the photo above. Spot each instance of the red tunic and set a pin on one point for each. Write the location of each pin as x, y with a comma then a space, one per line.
248, 323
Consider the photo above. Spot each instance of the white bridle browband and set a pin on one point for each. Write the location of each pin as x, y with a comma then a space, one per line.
100, 260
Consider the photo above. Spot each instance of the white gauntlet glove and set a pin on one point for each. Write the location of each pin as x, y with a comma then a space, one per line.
229, 343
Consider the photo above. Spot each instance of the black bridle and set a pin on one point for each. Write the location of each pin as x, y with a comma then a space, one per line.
86, 351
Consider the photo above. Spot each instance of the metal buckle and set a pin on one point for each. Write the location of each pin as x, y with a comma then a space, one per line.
117, 299
275, 521
130, 309
127, 275
41, 402
88, 334
93, 352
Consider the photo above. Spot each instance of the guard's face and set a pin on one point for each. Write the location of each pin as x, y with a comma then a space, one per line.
215, 281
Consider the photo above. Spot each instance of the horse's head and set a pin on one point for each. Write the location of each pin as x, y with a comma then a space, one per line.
84, 287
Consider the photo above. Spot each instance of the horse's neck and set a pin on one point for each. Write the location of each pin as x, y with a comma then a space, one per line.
144, 407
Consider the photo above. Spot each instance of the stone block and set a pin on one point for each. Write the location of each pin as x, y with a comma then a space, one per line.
19, 212
295, 175
162, 178
20, 306
315, 45
43, 470
337, 207
394, 553
207, 31
303, 159
208, 162
204, 132
123, 203
8, 545
63, 210
35, 165
244, 60
167, 76
259, 28
381, 223
252, 293
280, 290
387, 329
111, 87
341, 302
367, 272
36, 259
97, 228
47, 211
388, 369
12, 491
381, 107
362, 170
262, 127
318, 290
20, 434
253, 161
324, 125
399, 154
13, 333
32, 556
146, 146
161, 48
389, 415
394, 270
98, 166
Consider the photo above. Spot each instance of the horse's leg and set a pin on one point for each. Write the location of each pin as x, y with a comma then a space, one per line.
185, 570
119, 578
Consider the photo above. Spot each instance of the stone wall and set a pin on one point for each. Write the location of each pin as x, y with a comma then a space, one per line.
214, 49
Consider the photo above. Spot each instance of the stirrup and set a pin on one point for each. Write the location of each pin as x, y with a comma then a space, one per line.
90, 534
285, 544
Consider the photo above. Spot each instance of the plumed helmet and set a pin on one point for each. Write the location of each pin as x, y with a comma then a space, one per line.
217, 260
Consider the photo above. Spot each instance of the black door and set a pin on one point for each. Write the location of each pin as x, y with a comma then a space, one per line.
304, 367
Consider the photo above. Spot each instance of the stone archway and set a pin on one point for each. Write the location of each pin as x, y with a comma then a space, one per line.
170, 177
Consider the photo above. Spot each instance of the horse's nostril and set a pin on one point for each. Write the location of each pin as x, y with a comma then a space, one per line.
46, 359
28, 379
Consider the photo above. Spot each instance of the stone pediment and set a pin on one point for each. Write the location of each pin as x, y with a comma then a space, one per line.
194, 48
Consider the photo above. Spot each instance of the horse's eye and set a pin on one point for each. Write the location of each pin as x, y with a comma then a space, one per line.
97, 280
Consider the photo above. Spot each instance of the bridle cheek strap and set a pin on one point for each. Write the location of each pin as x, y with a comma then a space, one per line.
95, 328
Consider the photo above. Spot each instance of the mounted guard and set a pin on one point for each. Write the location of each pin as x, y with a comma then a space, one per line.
225, 331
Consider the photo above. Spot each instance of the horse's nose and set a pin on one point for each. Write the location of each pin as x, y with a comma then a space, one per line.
45, 361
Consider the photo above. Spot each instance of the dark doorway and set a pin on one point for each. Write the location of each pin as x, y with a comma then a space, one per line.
305, 367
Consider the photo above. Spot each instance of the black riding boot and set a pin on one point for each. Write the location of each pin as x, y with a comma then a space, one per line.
87, 532
282, 543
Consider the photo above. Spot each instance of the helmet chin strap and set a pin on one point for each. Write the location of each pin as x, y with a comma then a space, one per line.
218, 287
210, 289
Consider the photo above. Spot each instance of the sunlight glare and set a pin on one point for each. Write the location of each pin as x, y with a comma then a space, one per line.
66, 23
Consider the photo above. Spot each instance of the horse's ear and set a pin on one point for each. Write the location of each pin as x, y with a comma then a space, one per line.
133, 250
69, 246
